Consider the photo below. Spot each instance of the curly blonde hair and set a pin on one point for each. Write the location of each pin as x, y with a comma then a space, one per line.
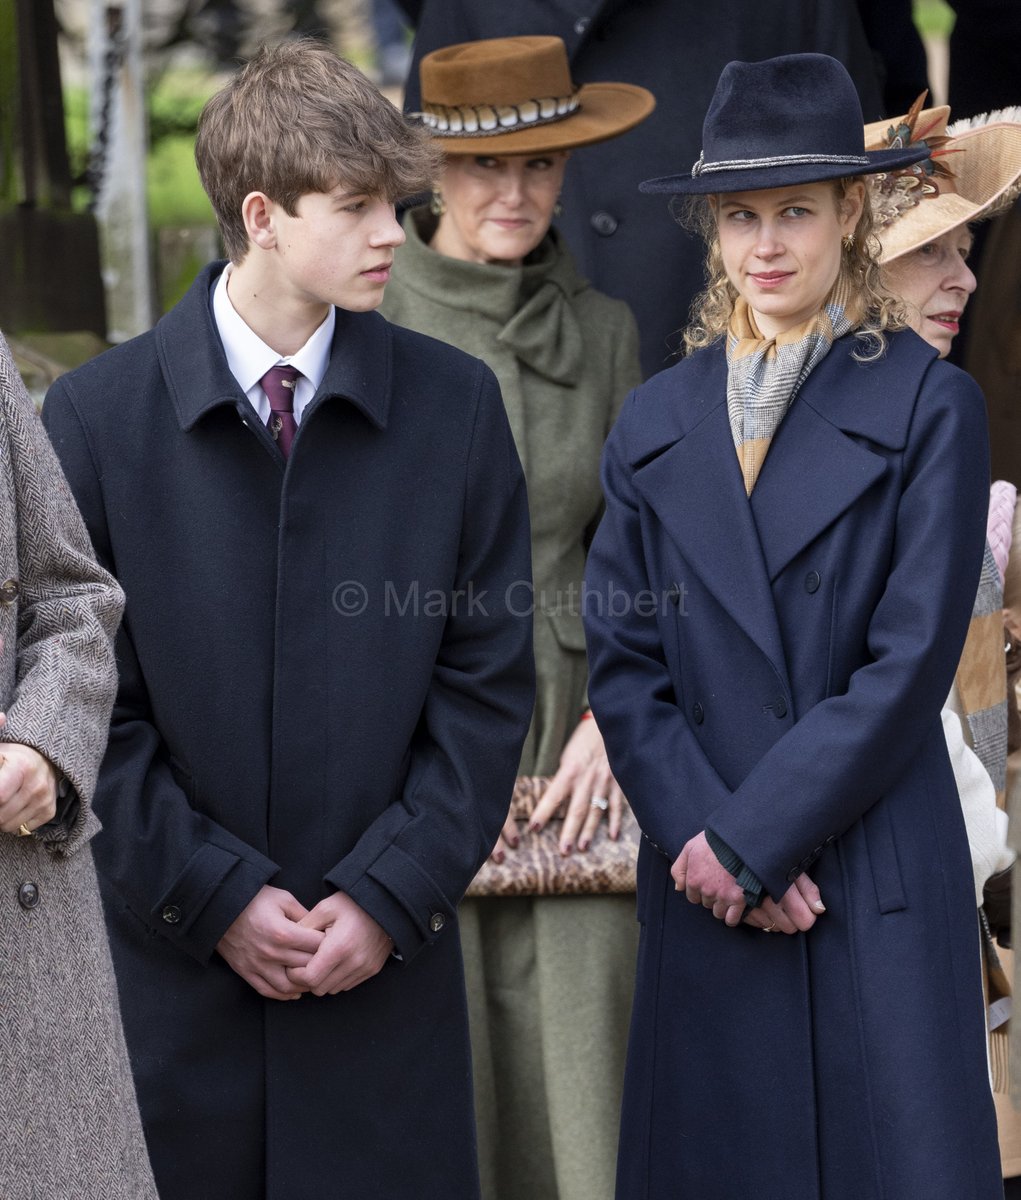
859, 264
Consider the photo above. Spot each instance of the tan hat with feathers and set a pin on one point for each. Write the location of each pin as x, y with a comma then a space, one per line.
973, 172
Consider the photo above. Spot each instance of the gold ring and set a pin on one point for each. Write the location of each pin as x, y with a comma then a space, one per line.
23, 830
769, 928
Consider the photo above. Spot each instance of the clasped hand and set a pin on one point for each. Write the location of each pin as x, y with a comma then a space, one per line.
283, 949
704, 880
28, 788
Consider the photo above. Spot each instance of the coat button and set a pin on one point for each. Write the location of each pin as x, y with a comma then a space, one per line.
780, 707
812, 581
437, 921
698, 713
171, 914
673, 594
28, 895
604, 224
8, 591
581, 24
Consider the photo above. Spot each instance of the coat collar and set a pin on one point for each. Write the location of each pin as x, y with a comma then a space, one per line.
198, 378
687, 469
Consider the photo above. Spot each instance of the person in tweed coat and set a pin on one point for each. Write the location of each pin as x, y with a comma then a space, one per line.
69, 1124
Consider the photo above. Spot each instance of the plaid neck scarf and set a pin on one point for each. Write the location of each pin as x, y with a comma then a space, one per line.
764, 374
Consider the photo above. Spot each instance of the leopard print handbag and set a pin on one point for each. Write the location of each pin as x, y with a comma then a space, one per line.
537, 868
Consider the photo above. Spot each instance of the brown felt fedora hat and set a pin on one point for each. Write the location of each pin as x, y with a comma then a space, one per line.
514, 95
973, 172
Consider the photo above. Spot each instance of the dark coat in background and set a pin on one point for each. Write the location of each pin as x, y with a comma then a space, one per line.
623, 242
322, 687
773, 669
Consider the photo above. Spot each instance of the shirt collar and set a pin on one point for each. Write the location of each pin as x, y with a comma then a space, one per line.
248, 356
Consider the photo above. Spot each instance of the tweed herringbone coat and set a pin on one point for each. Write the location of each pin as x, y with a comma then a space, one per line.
69, 1124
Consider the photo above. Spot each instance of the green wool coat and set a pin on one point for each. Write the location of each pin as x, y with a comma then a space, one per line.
565, 356
548, 978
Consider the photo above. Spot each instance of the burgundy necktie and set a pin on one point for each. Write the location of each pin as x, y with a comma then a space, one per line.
278, 384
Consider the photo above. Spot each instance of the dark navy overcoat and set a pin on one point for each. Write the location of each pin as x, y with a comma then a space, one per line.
326, 679
773, 669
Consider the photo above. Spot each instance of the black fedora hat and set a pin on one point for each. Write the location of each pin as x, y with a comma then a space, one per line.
793, 119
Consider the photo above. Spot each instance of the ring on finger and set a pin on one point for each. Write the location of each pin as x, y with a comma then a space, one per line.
23, 830
600, 802
769, 928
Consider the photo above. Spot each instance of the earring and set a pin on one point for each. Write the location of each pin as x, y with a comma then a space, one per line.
558, 208
848, 241
437, 205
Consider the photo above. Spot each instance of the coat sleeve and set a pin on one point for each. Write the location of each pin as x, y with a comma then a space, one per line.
653, 753
183, 875
68, 610
848, 750
413, 864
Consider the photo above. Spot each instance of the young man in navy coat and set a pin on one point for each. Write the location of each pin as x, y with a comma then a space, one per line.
320, 523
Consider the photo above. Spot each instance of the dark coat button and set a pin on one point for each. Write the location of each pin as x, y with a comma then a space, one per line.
780, 707
604, 224
698, 713
437, 921
673, 593
28, 895
8, 591
812, 581
171, 914
581, 24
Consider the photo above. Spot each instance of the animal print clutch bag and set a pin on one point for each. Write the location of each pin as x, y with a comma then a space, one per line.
537, 868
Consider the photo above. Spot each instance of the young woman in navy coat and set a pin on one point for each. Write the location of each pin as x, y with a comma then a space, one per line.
772, 633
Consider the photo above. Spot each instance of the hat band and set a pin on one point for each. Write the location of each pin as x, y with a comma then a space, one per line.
779, 160
485, 120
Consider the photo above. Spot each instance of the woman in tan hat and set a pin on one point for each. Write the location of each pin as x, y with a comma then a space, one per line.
549, 977
925, 218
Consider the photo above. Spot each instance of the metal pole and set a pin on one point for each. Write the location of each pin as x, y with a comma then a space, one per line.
118, 124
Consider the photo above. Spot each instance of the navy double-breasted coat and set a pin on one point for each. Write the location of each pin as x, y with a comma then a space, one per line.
326, 679
772, 668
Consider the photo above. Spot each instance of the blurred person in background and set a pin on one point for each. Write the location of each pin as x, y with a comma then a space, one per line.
925, 224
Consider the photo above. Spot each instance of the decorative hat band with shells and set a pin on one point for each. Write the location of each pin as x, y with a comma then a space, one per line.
484, 120
515, 95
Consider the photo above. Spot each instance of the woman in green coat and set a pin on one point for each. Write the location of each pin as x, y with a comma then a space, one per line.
548, 977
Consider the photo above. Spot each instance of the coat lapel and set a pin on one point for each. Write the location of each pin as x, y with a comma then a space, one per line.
694, 486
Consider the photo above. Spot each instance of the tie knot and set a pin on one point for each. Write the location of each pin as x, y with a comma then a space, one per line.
278, 384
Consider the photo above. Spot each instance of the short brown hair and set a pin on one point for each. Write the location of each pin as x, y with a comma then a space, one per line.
298, 119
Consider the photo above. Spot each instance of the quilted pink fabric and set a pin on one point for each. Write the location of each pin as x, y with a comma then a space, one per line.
1002, 498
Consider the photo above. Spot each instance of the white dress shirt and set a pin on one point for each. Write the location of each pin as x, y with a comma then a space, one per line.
249, 358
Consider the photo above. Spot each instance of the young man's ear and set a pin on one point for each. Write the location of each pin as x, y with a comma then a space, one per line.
257, 212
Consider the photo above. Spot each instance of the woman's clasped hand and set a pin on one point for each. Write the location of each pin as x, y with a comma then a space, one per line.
704, 880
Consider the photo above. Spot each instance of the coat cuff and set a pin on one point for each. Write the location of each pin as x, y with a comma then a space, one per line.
206, 898
400, 896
